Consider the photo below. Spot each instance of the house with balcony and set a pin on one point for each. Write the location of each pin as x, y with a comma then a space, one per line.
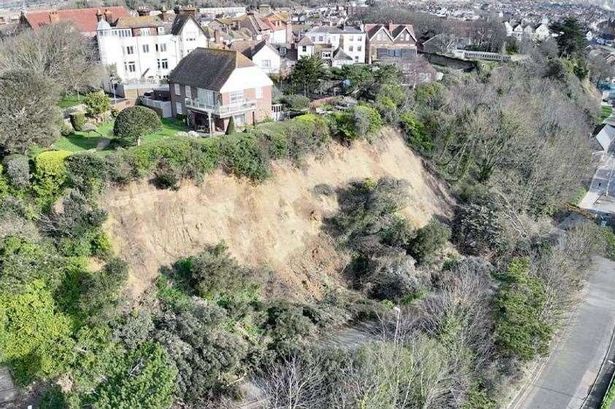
211, 86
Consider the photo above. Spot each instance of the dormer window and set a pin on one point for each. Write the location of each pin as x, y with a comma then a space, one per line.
160, 30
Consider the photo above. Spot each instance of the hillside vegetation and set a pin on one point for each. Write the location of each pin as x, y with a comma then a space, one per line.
200, 272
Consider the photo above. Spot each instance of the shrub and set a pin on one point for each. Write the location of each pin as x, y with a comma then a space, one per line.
520, 329
230, 129
242, 155
429, 241
214, 274
86, 172
101, 291
143, 378
17, 169
77, 120
66, 129
297, 102
166, 177
415, 133
35, 338
97, 102
49, 175
367, 120
134, 122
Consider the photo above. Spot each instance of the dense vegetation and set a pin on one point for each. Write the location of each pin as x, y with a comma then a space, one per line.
457, 307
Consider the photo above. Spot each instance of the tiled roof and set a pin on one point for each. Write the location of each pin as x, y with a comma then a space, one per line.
208, 68
138, 22
83, 19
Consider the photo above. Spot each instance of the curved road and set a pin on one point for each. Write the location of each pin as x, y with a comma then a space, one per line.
566, 377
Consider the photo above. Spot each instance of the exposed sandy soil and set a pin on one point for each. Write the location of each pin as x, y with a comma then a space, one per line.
276, 224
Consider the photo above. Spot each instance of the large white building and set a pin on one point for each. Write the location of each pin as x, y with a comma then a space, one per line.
329, 41
142, 50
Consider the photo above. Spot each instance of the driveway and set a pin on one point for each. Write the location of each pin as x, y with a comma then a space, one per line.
566, 378
601, 194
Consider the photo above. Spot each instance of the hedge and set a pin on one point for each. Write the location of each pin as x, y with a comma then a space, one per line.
134, 122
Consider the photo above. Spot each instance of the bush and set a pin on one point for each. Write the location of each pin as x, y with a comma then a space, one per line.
416, 136
66, 129
86, 172
429, 241
97, 102
367, 120
77, 120
296, 102
35, 338
166, 177
17, 169
49, 175
230, 129
101, 291
143, 378
242, 155
133, 123
520, 329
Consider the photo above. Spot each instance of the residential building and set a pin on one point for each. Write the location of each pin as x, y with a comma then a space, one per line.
274, 27
85, 20
390, 43
144, 49
337, 45
210, 86
263, 54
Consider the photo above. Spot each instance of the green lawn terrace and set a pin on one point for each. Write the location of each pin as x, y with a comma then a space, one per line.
101, 139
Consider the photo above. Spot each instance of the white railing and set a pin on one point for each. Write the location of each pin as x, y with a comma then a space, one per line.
221, 110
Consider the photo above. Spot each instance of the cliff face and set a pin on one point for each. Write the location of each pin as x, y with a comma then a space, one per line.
276, 224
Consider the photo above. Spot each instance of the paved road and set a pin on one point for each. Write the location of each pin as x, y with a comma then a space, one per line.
567, 377
601, 194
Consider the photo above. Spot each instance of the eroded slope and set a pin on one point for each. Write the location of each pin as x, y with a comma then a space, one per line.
276, 224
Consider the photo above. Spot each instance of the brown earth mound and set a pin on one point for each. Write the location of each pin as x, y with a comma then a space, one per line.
276, 224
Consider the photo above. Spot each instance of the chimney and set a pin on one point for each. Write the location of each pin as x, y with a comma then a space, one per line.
108, 16
163, 13
176, 9
54, 17
142, 11
99, 15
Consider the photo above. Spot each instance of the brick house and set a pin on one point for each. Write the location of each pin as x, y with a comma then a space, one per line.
85, 20
390, 42
211, 86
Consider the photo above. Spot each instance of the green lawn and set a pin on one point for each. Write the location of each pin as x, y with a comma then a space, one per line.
606, 112
81, 141
70, 100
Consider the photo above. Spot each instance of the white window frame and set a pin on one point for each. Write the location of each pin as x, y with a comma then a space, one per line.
179, 108
259, 92
188, 91
130, 50
146, 48
177, 89
236, 97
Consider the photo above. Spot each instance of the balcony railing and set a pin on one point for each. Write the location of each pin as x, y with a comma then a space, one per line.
222, 111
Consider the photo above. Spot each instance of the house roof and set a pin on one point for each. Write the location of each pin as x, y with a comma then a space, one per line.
306, 41
138, 22
208, 68
340, 55
83, 19
180, 21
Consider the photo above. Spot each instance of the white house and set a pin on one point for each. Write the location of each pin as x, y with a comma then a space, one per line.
262, 54
144, 49
351, 40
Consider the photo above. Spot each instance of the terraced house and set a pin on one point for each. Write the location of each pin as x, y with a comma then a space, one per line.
211, 86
